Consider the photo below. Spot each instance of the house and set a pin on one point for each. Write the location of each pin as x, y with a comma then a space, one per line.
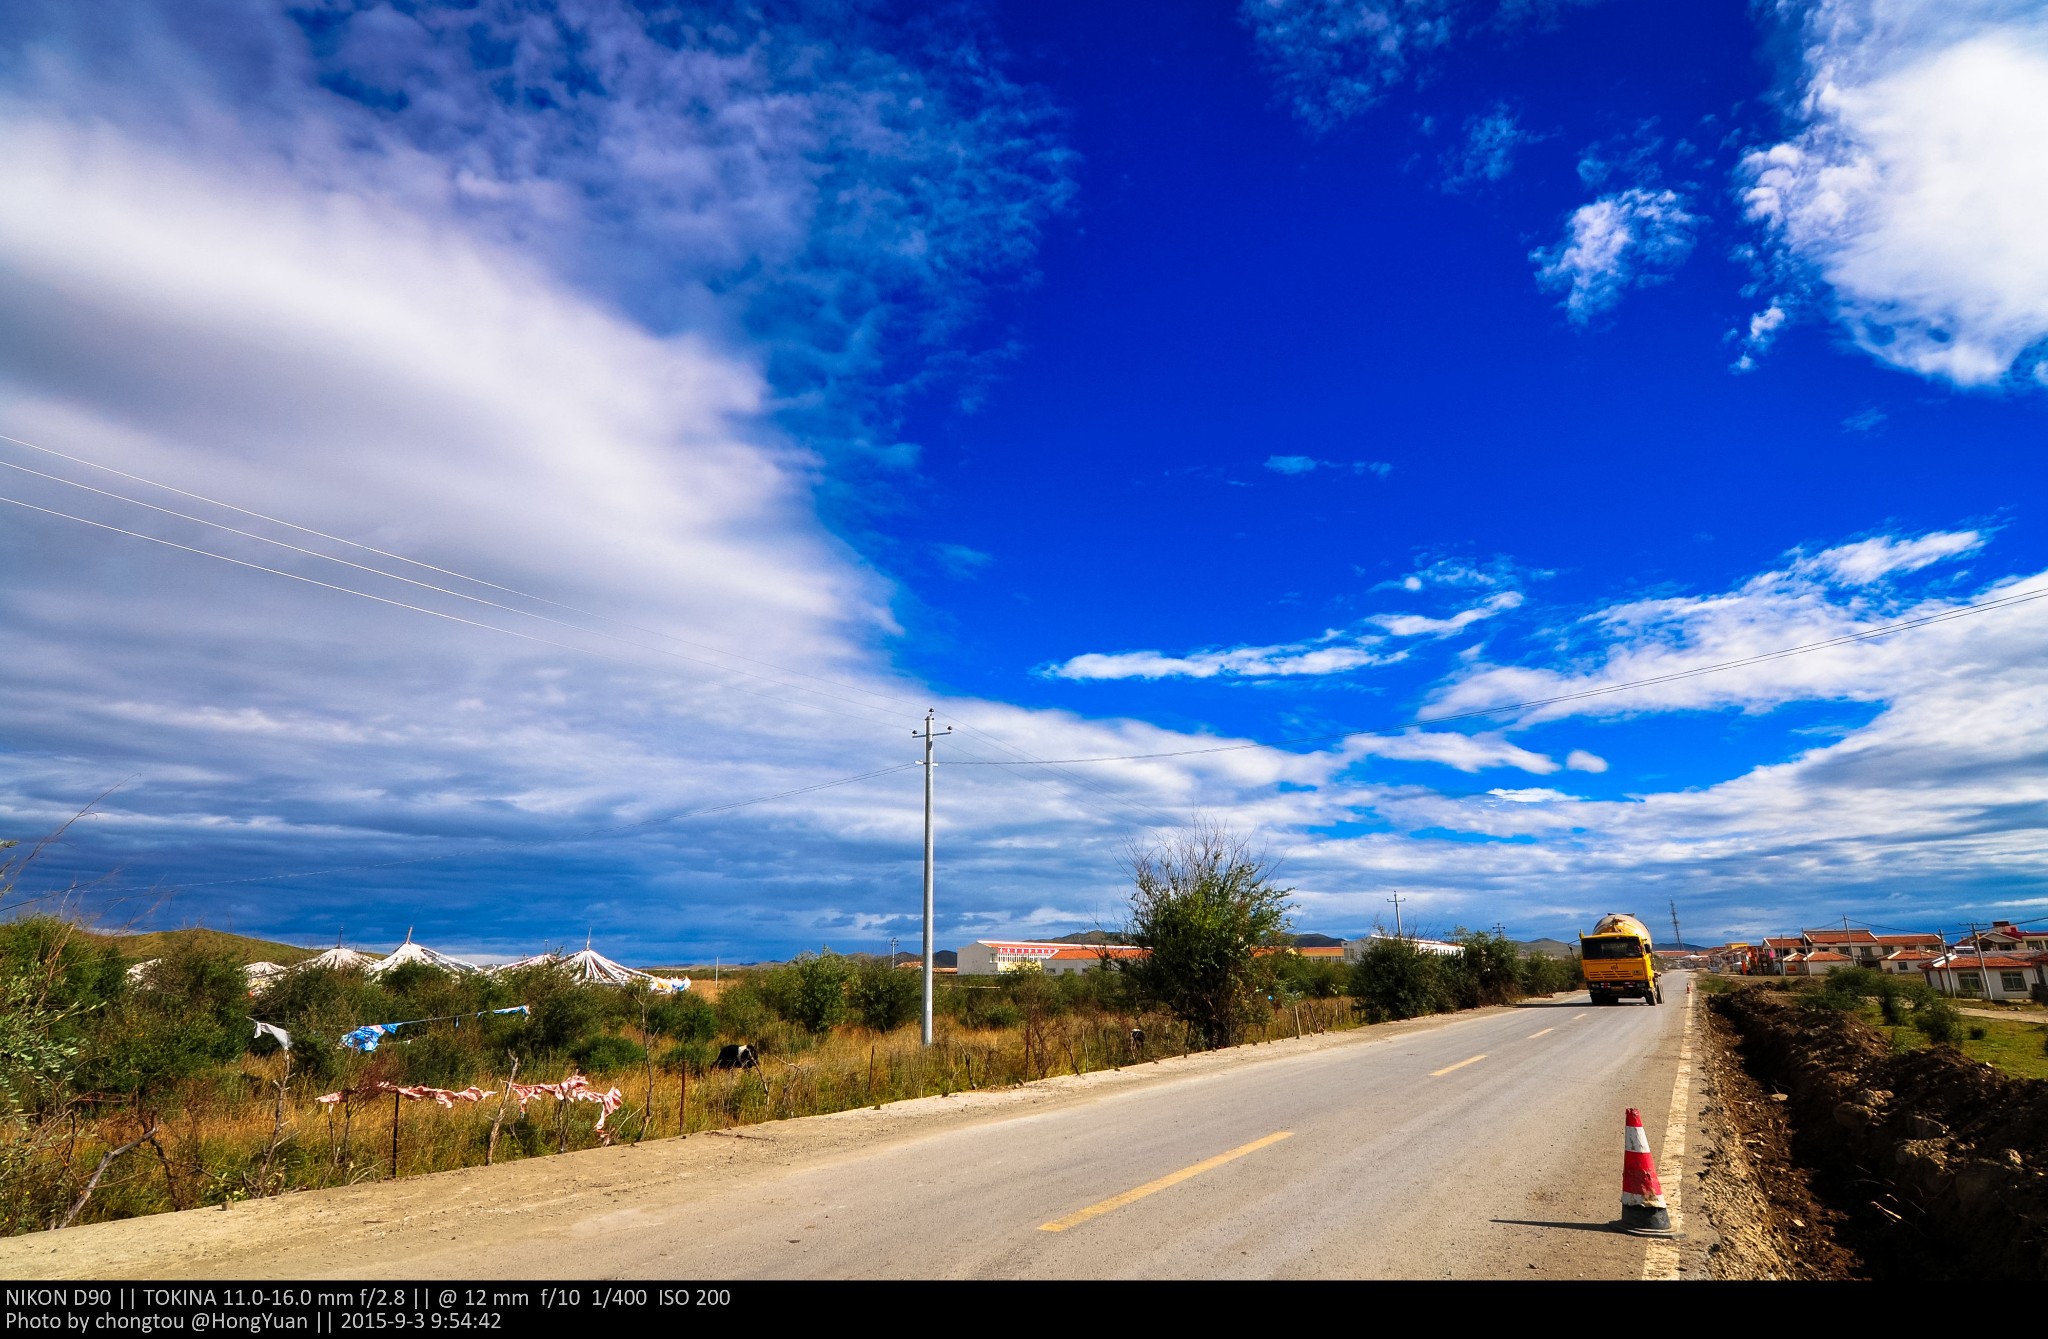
1769, 960
1355, 949
2005, 937
991, 957
1858, 948
1905, 961
1977, 974
1819, 962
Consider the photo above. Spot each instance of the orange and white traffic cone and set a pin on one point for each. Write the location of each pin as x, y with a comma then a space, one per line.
1643, 1211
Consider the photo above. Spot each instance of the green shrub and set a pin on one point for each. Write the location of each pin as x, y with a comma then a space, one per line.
1393, 979
683, 1016
992, 1009
742, 1013
1488, 971
609, 1054
1977, 1032
1312, 978
883, 997
1939, 1021
1204, 902
1545, 975
809, 990
695, 1056
440, 1057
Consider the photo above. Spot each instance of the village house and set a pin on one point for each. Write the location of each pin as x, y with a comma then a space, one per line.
1972, 973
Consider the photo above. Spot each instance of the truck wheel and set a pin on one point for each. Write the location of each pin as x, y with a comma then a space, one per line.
1657, 995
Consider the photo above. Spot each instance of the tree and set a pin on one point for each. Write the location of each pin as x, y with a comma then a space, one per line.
1202, 902
884, 998
1395, 979
1488, 971
809, 990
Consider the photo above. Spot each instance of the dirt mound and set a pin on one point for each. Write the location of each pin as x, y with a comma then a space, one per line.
1938, 1164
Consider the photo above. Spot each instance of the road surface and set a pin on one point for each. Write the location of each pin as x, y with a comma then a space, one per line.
1480, 1145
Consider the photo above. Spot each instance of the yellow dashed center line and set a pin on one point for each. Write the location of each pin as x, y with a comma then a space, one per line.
1115, 1202
1439, 1073
1546, 1032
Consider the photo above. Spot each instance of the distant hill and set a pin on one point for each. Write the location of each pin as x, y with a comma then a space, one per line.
1087, 937
152, 944
1317, 941
1547, 948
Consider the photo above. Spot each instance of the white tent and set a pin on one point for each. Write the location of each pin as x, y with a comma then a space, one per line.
341, 958
537, 960
411, 952
593, 967
261, 972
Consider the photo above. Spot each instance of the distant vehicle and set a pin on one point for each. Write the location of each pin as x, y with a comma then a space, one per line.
1616, 961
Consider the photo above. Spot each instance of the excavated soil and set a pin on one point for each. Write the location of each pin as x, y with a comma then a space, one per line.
1768, 1222
1921, 1165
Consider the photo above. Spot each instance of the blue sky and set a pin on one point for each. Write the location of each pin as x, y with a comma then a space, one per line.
1117, 383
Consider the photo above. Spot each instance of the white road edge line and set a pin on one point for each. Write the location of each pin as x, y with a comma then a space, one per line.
1660, 1261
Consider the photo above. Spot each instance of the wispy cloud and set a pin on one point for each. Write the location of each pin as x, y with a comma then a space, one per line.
1421, 625
1336, 651
1618, 242
1915, 192
1297, 465
1287, 660
1466, 753
1332, 60
1869, 560
1486, 151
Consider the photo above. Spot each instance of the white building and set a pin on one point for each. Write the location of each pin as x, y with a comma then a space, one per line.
990, 957
1988, 976
1354, 949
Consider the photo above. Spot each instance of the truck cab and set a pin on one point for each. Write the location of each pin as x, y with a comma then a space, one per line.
1616, 961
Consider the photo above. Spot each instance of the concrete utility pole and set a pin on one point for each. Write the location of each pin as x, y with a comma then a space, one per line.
1677, 939
1983, 972
1397, 900
928, 736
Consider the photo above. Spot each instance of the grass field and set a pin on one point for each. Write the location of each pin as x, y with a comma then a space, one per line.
250, 1132
2018, 1048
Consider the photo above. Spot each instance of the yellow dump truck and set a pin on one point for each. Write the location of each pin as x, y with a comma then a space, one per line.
1616, 960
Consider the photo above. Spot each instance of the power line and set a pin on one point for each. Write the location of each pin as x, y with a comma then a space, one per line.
2002, 602
396, 604
1019, 755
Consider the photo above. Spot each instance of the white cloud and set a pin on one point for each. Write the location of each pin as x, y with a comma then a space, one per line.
1578, 760
1618, 242
1248, 662
1529, 795
1916, 191
1336, 651
1869, 560
1417, 625
1296, 465
1467, 753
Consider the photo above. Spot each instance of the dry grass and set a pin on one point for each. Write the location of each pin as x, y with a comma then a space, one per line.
235, 1136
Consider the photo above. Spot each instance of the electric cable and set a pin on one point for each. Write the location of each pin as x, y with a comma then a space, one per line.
402, 604
1018, 755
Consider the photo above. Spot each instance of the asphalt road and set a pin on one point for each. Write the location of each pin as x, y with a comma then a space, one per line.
1477, 1146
